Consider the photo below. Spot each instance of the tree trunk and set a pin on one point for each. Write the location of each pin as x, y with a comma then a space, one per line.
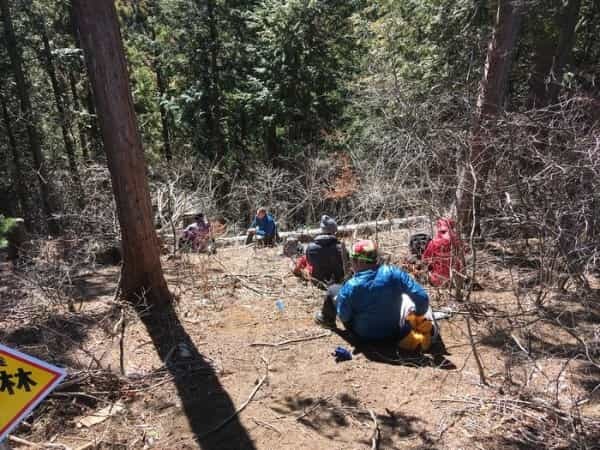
476, 161
30, 121
161, 83
551, 57
63, 115
538, 87
215, 92
210, 103
164, 114
567, 21
95, 140
95, 135
100, 36
17, 167
83, 142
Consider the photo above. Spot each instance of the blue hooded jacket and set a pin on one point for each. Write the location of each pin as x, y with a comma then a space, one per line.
265, 226
369, 303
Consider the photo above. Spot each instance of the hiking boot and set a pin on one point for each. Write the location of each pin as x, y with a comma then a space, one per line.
322, 321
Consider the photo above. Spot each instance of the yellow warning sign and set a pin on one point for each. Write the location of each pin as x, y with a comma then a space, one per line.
24, 382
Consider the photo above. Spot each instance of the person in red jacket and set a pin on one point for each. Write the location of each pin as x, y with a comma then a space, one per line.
444, 253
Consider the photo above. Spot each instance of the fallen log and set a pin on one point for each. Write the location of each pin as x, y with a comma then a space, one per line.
305, 235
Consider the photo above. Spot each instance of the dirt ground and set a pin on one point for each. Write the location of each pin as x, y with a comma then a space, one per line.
541, 389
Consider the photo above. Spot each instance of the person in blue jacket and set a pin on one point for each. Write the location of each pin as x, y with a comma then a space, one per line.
370, 304
263, 227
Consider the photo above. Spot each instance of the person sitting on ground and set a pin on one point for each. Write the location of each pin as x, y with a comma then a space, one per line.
444, 254
379, 302
413, 264
326, 255
263, 227
324, 260
197, 235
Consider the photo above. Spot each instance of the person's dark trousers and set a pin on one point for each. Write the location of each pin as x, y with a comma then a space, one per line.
329, 305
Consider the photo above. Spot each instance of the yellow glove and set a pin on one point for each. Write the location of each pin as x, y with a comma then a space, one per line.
419, 338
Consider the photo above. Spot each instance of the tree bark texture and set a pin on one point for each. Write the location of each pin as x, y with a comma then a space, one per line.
100, 37
35, 146
478, 158
95, 140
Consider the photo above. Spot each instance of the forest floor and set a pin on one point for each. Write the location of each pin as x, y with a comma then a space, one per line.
542, 387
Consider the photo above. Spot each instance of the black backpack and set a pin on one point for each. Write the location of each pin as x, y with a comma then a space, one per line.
418, 243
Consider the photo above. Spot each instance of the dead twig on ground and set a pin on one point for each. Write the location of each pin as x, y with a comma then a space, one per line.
376, 432
319, 403
266, 425
242, 407
289, 341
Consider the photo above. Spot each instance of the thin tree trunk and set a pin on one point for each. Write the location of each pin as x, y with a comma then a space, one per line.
63, 115
95, 135
164, 114
538, 87
566, 40
270, 140
30, 120
215, 94
17, 167
161, 83
477, 160
83, 142
142, 275
209, 74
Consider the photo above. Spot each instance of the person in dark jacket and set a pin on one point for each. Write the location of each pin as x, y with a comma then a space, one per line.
263, 227
379, 302
326, 255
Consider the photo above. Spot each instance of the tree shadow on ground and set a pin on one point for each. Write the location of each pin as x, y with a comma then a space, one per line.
331, 417
51, 337
204, 400
571, 310
536, 348
387, 352
92, 285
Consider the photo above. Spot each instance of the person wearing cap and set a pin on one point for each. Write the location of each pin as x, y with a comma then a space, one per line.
196, 235
444, 254
325, 255
263, 227
379, 302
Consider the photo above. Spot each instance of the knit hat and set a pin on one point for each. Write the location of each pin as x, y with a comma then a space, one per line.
328, 225
364, 250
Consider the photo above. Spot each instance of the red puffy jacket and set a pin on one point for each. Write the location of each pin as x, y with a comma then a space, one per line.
444, 252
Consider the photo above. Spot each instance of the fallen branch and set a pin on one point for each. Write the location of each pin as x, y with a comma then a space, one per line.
289, 341
266, 425
374, 225
376, 432
21, 441
27, 443
241, 408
